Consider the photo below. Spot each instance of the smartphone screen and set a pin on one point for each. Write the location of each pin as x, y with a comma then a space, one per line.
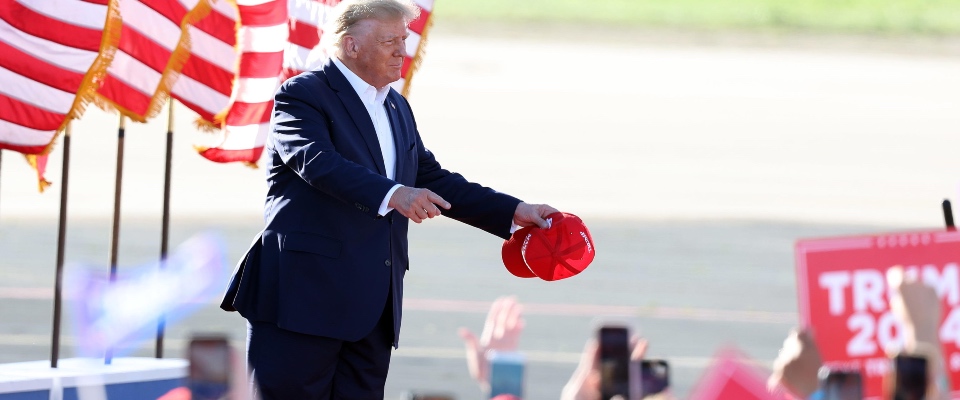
841, 385
506, 374
209, 358
654, 376
614, 362
910, 377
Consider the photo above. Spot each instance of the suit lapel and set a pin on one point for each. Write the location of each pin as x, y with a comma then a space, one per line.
357, 112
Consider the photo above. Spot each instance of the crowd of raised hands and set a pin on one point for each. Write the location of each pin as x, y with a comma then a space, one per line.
501, 333
797, 372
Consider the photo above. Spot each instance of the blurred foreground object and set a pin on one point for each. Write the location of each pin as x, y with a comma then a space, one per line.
585, 383
122, 313
916, 305
506, 374
211, 356
210, 367
797, 365
501, 333
730, 376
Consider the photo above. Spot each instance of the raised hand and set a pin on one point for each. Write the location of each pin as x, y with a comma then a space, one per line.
797, 365
501, 332
584, 384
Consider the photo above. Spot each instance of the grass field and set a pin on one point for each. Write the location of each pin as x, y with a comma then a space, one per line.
898, 17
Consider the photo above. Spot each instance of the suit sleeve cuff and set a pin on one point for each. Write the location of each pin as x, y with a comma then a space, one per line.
384, 208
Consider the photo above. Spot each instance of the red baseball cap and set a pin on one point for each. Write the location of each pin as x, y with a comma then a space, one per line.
560, 251
512, 256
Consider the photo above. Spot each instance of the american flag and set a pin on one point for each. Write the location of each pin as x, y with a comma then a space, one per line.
206, 79
152, 50
49, 69
130, 54
263, 34
280, 39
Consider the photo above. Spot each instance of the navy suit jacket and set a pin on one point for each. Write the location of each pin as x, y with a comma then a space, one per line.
326, 260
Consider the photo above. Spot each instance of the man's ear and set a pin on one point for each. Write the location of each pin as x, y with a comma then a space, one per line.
350, 46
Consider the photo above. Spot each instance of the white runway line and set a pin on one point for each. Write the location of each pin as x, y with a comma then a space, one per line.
587, 310
175, 347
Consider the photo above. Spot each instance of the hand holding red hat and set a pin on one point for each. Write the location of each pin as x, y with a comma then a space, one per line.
562, 249
532, 215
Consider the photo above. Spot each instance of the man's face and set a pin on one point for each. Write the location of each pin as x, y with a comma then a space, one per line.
380, 48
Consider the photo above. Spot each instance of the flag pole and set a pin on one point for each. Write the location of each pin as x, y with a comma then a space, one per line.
165, 224
61, 241
115, 233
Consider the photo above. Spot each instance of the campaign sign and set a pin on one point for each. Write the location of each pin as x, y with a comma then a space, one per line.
843, 297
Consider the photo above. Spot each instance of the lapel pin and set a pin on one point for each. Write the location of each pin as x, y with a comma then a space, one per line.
392, 105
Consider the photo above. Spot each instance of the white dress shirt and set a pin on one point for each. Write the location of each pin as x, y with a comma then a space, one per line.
373, 99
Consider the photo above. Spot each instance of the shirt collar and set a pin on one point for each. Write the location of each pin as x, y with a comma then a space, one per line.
368, 94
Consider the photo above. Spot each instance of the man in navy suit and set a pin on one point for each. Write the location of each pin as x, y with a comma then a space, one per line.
322, 287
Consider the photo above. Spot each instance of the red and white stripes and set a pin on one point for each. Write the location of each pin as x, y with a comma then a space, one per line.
262, 37
50, 54
152, 49
206, 79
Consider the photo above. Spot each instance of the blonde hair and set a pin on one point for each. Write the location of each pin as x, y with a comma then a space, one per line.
349, 12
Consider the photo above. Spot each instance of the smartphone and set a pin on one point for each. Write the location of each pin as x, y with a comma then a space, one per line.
506, 373
907, 379
841, 384
209, 377
614, 362
654, 376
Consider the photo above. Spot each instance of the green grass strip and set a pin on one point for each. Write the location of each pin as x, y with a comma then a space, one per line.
926, 17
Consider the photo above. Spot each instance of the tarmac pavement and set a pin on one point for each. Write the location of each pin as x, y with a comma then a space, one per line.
690, 288
696, 169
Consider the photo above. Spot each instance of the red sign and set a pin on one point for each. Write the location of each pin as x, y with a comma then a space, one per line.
844, 297
729, 378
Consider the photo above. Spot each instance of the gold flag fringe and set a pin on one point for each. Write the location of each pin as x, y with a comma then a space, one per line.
418, 57
41, 182
205, 126
179, 57
109, 39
